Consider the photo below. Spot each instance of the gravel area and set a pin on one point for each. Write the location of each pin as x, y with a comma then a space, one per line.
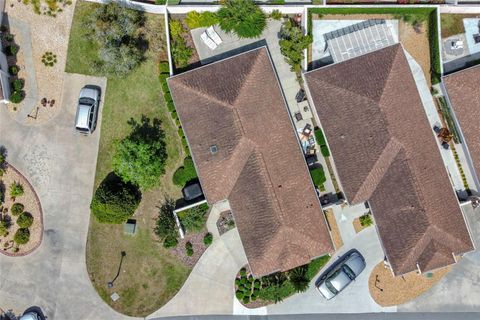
31, 205
334, 231
388, 290
196, 239
48, 34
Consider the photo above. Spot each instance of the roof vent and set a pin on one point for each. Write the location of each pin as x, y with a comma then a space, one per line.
213, 149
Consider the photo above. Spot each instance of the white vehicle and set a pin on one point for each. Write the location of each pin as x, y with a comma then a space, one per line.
30, 316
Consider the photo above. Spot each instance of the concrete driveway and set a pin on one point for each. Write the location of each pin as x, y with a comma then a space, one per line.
60, 164
355, 298
209, 288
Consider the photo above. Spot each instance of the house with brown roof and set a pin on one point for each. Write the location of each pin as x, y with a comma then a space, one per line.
246, 152
385, 153
462, 92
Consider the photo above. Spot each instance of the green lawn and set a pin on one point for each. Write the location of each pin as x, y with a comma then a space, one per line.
150, 274
452, 24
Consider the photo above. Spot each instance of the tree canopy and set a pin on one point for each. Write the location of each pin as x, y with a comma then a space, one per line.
140, 157
292, 44
118, 32
115, 201
242, 17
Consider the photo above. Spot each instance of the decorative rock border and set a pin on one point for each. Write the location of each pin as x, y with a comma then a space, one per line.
40, 217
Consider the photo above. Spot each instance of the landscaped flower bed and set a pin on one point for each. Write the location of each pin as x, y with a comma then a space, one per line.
21, 225
276, 287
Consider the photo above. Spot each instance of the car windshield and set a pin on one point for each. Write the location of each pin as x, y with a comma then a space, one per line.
349, 272
87, 101
330, 286
82, 129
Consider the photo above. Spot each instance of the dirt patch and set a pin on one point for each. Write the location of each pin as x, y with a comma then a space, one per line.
31, 205
357, 225
452, 23
334, 231
48, 34
388, 290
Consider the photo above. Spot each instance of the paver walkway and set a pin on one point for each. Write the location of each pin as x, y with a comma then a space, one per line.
60, 164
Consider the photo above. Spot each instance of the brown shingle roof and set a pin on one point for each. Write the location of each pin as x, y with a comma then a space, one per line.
385, 152
236, 104
463, 93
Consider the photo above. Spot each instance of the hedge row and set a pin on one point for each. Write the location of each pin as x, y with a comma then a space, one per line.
321, 142
430, 15
164, 70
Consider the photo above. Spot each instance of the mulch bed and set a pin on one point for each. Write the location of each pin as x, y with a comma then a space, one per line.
196, 239
225, 222
31, 205
334, 230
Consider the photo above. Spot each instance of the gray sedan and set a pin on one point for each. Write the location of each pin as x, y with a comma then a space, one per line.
340, 274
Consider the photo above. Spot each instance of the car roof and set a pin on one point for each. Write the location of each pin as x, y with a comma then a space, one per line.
356, 263
340, 281
82, 116
89, 92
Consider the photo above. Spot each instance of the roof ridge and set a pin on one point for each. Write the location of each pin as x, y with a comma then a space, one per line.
392, 63
244, 143
248, 73
204, 95
378, 170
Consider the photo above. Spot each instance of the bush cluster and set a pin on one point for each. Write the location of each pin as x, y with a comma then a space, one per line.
17, 209
49, 59
277, 286
118, 33
194, 219
292, 44
115, 200
185, 173
242, 17
195, 19
366, 220
181, 52
4, 225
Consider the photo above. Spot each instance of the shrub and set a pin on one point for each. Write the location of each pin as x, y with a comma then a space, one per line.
180, 132
17, 84
170, 106
208, 239
140, 157
22, 236
13, 70
243, 272
17, 97
115, 200
9, 37
170, 241
185, 173
4, 228
196, 19
298, 278
318, 176
115, 29
292, 44
246, 299
366, 220
242, 17
239, 295
16, 189
49, 59
25, 220
276, 14
325, 151
166, 225
193, 219
319, 137
189, 249
17, 209
12, 50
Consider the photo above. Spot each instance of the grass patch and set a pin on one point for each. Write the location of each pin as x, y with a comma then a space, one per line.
452, 24
150, 274
318, 176
408, 15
